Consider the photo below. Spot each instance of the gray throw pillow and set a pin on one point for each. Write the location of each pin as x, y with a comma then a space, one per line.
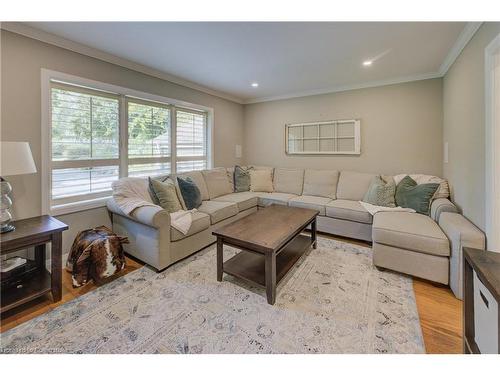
418, 197
241, 179
381, 192
190, 192
164, 194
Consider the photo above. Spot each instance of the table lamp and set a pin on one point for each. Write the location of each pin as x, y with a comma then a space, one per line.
15, 159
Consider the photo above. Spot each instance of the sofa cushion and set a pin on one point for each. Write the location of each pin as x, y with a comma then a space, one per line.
217, 210
418, 197
200, 222
217, 182
442, 192
261, 180
266, 199
309, 201
241, 179
190, 192
381, 192
165, 195
320, 183
198, 179
288, 180
348, 210
243, 200
353, 185
230, 176
410, 231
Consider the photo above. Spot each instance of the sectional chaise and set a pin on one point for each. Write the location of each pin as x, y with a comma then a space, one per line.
428, 247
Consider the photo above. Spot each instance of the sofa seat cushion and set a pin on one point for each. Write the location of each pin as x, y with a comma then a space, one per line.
200, 222
266, 199
243, 200
348, 210
217, 210
309, 201
410, 231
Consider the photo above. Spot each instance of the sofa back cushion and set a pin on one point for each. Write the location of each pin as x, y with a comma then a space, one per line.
288, 181
217, 182
353, 185
198, 179
261, 180
321, 183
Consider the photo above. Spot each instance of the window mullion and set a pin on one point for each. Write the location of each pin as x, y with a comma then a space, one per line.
123, 136
173, 139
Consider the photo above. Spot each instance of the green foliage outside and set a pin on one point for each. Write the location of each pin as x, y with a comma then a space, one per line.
87, 127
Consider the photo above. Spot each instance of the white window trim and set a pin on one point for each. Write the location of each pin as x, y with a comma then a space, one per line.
492, 162
47, 76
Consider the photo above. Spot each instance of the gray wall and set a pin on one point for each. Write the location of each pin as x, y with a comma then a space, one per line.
401, 128
464, 125
22, 59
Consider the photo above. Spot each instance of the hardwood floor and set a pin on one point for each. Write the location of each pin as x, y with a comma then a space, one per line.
440, 312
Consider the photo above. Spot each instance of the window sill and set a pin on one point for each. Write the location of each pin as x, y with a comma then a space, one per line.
69, 208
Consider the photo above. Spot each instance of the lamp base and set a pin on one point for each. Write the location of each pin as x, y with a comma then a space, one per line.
7, 228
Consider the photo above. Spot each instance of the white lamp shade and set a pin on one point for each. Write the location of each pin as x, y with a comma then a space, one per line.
16, 159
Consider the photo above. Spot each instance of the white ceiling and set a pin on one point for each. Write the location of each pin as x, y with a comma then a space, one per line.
286, 59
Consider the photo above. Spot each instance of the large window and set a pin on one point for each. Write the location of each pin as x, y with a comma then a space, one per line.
98, 136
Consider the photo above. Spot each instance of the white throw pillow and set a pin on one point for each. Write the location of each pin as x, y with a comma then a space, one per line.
261, 180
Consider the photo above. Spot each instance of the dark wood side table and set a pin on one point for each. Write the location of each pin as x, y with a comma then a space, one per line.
486, 265
34, 232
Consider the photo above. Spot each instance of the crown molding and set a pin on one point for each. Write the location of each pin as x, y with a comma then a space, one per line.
464, 38
330, 90
33, 33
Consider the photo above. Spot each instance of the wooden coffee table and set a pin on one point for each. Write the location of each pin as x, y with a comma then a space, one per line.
271, 241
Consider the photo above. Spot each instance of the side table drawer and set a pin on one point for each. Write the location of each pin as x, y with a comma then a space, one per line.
485, 318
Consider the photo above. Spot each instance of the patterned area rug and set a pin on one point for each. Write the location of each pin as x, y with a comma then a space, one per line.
333, 301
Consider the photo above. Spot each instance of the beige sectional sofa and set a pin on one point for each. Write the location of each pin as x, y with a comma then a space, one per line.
410, 243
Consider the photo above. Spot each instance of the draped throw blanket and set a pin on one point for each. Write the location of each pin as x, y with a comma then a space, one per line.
372, 209
130, 193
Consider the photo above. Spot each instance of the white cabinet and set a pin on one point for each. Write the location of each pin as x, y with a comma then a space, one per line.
485, 318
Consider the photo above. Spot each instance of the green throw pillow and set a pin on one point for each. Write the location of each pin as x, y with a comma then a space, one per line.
381, 192
418, 197
241, 179
164, 194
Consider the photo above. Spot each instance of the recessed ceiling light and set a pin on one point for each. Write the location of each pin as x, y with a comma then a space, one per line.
255, 84
367, 63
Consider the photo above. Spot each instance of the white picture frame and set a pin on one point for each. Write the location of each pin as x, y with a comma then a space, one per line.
335, 137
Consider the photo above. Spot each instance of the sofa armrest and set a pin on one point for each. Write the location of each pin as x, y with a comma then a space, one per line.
440, 205
461, 233
153, 216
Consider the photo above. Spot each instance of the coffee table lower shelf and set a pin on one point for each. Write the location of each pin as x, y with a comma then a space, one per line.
250, 266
